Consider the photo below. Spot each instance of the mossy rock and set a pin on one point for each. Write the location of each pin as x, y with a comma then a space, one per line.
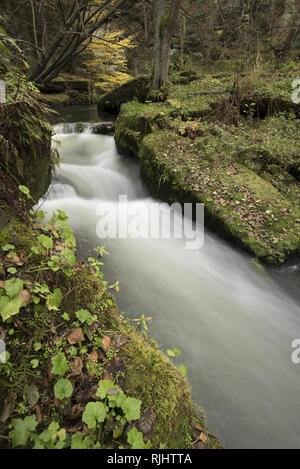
28, 155
239, 204
56, 99
137, 88
77, 97
151, 376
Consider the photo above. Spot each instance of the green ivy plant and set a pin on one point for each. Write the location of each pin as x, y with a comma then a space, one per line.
113, 407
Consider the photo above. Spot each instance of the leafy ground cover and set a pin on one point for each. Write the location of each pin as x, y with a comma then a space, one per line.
75, 374
231, 143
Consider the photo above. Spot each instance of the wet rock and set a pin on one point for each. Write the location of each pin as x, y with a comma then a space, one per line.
137, 88
104, 128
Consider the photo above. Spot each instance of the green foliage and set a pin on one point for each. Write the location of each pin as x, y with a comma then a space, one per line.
10, 303
95, 413
136, 440
84, 316
63, 389
22, 430
45, 241
59, 364
54, 300
51, 438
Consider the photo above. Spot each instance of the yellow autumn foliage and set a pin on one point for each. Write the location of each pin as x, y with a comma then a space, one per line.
107, 62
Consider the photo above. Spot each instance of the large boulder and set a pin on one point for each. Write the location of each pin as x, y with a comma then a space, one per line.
137, 88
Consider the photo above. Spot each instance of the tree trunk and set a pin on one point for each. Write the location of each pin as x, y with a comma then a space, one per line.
286, 28
164, 25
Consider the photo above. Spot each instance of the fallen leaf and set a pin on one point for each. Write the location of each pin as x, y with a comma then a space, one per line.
146, 422
74, 429
76, 412
76, 366
93, 357
24, 296
106, 341
203, 437
38, 414
197, 427
33, 395
76, 336
9, 407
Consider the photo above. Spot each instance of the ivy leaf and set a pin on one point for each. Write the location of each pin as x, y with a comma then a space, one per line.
34, 363
9, 307
41, 215
59, 364
13, 287
136, 440
69, 256
95, 412
45, 241
182, 370
54, 300
78, 442
24, 190
84, 316
131, 408
63, 389
21, 429
104, 387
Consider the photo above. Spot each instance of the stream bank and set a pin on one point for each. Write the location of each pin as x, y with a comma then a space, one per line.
234, 148
61, 328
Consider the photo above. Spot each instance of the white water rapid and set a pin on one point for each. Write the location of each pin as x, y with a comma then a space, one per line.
233, 324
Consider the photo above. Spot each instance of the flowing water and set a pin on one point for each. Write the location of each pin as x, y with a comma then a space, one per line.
233, 324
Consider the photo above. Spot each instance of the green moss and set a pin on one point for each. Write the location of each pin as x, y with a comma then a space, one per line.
60, 99
163, 389
27, 137
239, 204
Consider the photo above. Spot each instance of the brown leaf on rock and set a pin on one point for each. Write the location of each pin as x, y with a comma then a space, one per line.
58, 246
76, 412
93, 357
76, 366
76, 336
203, 437
197, 427
24, 296
146, 422
38, 414
106, 341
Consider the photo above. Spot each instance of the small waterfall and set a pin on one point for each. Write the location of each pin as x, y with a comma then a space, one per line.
233, 324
